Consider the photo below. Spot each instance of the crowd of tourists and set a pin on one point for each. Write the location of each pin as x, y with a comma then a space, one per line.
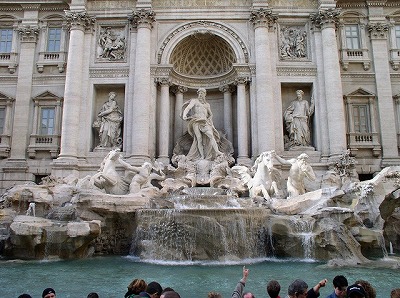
297, 289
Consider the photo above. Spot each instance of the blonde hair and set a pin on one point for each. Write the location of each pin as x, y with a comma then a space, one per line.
137, 286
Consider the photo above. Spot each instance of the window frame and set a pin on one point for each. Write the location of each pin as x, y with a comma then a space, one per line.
8, 41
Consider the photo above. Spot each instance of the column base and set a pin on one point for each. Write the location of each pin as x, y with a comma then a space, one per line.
244, 160
164, 160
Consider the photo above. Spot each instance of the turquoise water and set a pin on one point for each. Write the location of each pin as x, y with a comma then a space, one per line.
109, 276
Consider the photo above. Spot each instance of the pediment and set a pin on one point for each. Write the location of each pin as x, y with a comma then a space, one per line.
47, 95
4, 97
360, 92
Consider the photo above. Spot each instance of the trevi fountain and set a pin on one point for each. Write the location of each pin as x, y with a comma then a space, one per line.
203, 206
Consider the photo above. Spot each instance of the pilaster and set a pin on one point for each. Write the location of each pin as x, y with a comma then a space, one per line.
227, 91
242, 121
263, 21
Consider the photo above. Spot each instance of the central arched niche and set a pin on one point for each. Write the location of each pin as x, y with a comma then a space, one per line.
202, 55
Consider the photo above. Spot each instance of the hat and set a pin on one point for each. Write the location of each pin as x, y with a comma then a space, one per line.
355, 289
48, 291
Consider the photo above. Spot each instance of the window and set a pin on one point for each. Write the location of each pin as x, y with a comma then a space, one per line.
360, 118
47, 121
54, 40
2, 119
352, 37
397, 34
5, 40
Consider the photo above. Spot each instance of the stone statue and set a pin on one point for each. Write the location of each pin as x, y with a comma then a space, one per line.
141, 177
297, 121
107, 177
112, 45
200, 126
109, 122
266, 179
31, 209
300, 169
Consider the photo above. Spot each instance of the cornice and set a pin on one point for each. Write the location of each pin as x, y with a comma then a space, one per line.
358, 75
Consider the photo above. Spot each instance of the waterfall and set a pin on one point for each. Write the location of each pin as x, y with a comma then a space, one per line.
391, 248
303, 227
381, 243
199, 234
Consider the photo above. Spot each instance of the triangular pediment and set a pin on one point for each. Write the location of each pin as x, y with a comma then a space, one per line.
45, 95
5, 97
360, 92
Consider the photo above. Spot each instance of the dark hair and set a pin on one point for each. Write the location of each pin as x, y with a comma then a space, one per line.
48, 291
298, 286
137, 286
369, 289
167, 289
214, 295
252, 295
154, 287
395, 293
24, 296
171, 294
93, 295
339, 281
273, 288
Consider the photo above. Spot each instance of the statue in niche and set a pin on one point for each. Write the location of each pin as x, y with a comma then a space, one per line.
297, 121
293, 43
108, 123
299, 169
200, 126
112, 45
31, 211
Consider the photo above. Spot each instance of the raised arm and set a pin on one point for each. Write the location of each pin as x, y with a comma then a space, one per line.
238, 292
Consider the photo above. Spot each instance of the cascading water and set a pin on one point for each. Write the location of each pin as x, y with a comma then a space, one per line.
303, 227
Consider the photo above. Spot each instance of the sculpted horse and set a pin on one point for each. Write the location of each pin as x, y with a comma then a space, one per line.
107, 177
300, 169
266, 179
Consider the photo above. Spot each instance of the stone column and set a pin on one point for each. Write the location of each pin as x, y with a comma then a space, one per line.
227, 90
22, 121
143, 19
378, 33
242, 122
326, 19
178, 122
78, 21
263, 20
320, 100
164, 123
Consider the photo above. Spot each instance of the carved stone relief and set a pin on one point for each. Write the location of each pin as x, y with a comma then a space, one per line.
111, 44
293, 42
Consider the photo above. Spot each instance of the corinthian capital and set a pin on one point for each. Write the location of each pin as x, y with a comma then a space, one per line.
79, 19
263, 17
143, 17
325, 17
28, 33
378, 30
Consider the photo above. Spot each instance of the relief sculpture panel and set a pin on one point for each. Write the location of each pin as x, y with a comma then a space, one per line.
293, 43
111, 44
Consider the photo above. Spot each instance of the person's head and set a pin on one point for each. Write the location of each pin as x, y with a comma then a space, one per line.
214, 295
137, 286
273, 288
171, 294
154, 289
298, 289
248, 295
24, 296
49, 293
112, 95
356, 291
395, 293
368, 288
340, 285
93, 295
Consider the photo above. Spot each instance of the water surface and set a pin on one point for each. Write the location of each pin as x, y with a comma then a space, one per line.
109, 276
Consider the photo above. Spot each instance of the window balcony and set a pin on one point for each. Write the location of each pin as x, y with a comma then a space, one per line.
58, 59
9, 60
5, 146
356, 140
348, 56
395, 58
49, 143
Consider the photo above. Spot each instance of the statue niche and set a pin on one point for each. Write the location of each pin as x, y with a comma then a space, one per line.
203, 146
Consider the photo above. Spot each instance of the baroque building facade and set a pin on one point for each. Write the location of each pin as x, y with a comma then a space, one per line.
79, 77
